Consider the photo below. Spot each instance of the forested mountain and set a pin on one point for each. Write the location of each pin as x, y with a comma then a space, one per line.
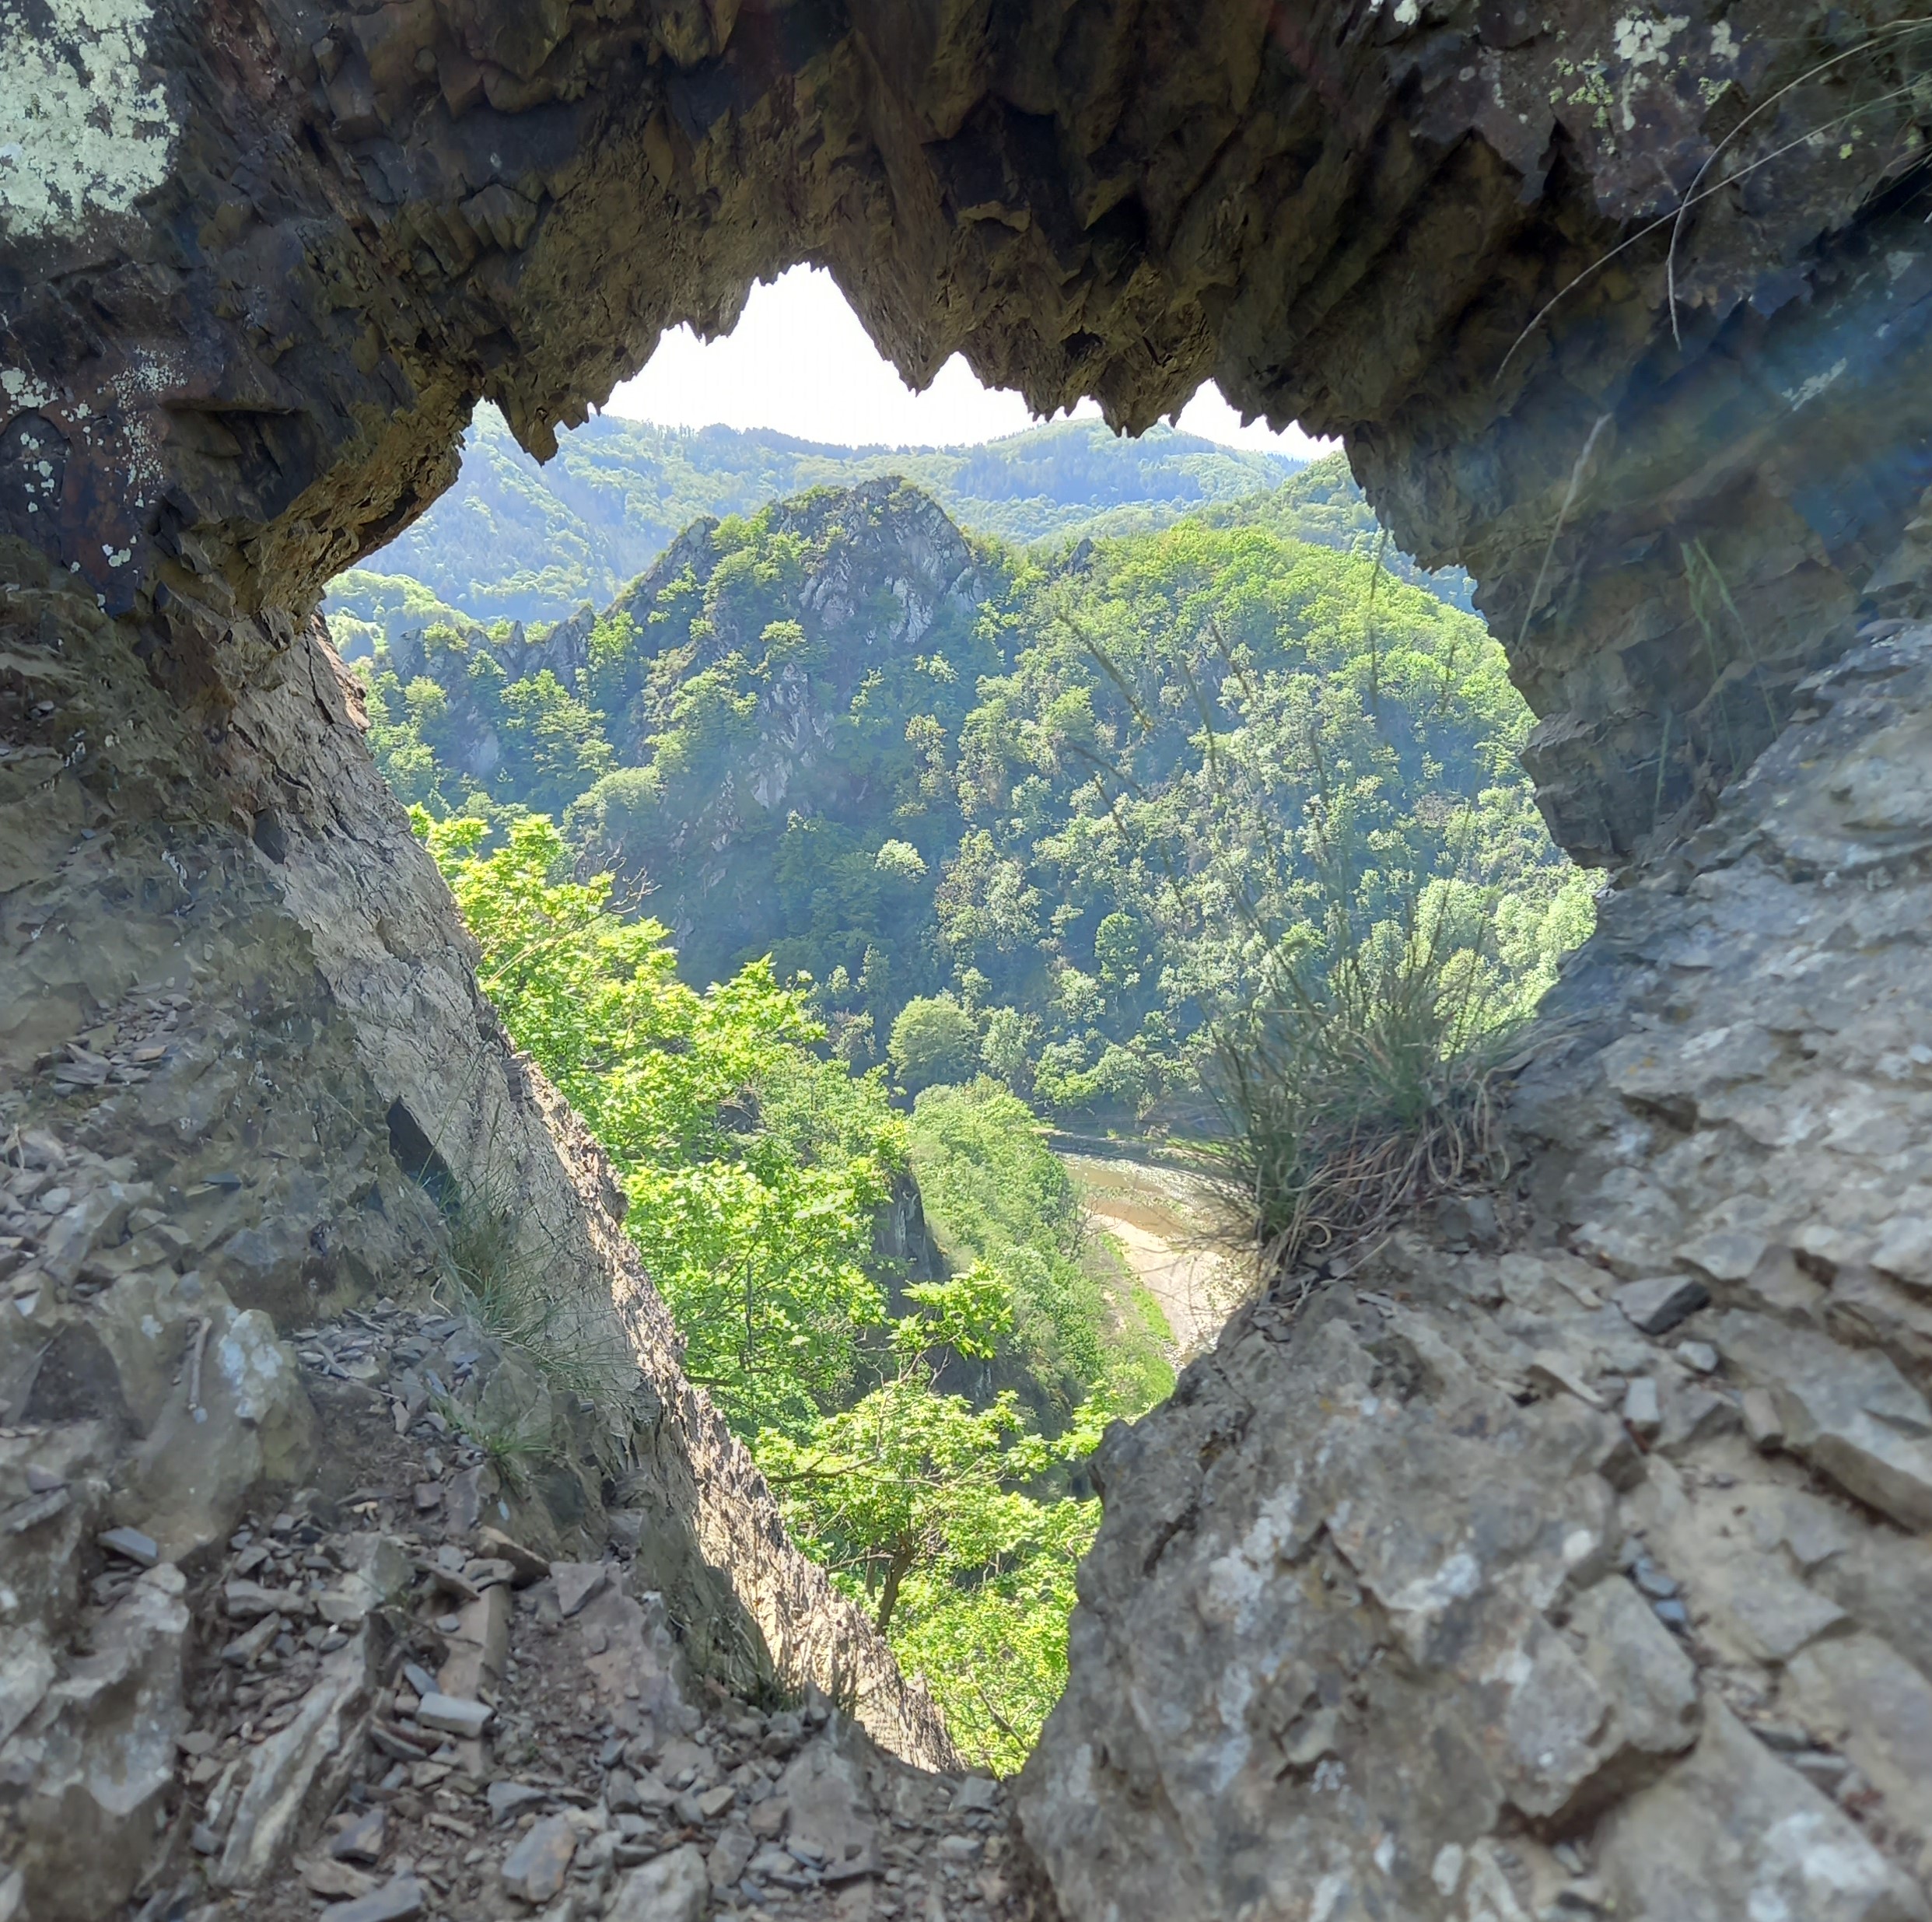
834, 804
514, 539
1037, 814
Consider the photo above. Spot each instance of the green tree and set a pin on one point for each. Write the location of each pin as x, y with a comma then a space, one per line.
553, 742
917, 1502
933, 1039
754, 1169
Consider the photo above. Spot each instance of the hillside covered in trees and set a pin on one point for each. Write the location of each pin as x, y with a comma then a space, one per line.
829, 860
1034, 811
515, 540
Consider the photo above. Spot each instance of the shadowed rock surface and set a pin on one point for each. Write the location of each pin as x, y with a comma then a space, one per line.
1374, 1624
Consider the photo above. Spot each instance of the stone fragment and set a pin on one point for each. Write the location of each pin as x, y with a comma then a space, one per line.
976, 1794
1726, 1254
1763, 1424
397, 1901
191, 1474
1699, 1357
479, 1646
1770, 1615
454, 1715
335, 1881
1811, 1530
1548, 1370
1693, 1413
734, 1849
832, 1813
772, 1861
767, 1817
714, 1802
527, 1567
577, 1582
35, 1511
1904, 1251
377, 1570
1731, 1831
132, 1545
674, 1888
1850, 1413
1656, 1305
504, 1798
1876, 1707
533, 1871
1641, 1413
1648, 1681
245, 1600
362, 1841
246, 1646
299, 1770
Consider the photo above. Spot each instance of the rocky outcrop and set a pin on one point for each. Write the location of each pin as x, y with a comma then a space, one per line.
388, 1690
1624, 311
259, 258
1564, 1569
246, 1080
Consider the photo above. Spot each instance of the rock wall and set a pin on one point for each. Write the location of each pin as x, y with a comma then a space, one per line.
258, 259
244, 1068
1579, 1569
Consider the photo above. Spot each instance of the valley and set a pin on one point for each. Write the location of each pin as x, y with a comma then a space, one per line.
874, 831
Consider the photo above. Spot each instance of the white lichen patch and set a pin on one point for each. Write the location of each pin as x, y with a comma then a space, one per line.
1641, 40
20, 391
80, 134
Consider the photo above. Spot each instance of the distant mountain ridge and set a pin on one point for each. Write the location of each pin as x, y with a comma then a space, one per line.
515, 540
1047, 784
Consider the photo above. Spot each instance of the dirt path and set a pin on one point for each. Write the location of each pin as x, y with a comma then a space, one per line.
1159, 1216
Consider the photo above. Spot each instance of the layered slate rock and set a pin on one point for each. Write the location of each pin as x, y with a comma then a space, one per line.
1625, 310
1361, 1628
1470, 1585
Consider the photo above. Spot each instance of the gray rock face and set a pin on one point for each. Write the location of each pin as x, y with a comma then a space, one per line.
1734, 1831
673, 1888
1391, 1612
1664, 447
90, 1763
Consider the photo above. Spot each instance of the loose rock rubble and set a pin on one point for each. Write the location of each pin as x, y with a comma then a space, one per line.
395, 1708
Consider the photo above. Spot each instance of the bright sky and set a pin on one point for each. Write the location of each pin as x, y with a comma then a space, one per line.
799, 361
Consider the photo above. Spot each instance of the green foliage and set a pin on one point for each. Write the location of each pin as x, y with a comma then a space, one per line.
1074, 790
998, 1198
503, 1278
1357, 1083
514, 539
933, 1039
917, 1502
754, 1168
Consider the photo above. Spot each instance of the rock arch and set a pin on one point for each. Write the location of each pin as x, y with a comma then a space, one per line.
259, 259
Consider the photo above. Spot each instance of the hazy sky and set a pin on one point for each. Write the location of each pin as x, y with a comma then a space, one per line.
799, 361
